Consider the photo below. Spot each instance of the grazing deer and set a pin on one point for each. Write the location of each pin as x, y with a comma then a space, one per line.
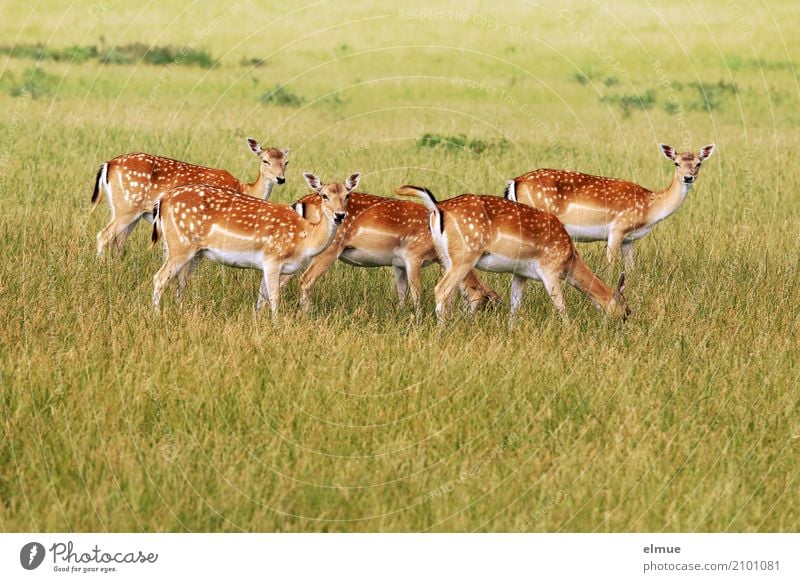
133, 182
594, 208
494, 234
383, 232
199, 220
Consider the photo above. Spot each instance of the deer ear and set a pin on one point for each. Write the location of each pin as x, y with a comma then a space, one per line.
621, 285
255, 147
706, 151
286, 151
300, 208
352, 181
313, 181
668, 151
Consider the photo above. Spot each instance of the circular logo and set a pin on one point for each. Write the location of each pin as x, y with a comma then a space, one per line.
31, 555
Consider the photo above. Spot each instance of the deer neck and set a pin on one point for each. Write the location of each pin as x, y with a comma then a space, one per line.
320, 234
261, 188
667, 201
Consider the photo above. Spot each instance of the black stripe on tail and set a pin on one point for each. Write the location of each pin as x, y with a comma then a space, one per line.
156, 218
429, 193
96, 193
441, 212
507, 193
427, 197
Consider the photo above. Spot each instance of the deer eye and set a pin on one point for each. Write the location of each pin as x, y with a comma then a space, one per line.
677, 164
266, 162
324, 196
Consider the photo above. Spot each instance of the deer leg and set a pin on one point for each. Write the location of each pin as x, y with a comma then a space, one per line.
171, 267
123, 233
453, 277
263, 292
117, 231
183, 276
319, 265
401, 283
627, 255
413, 269
517, 287
270, 287
105, 236
553, 285
111, 233
614, 247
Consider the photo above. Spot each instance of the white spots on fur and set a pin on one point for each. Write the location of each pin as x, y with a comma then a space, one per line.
600, 208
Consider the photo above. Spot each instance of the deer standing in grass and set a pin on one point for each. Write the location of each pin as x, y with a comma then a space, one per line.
594, 208
494, 234
199, 220
382, 232
132, 183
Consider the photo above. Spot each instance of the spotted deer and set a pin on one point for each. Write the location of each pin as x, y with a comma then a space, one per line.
200, 220
497, 235
383, 232
132, 183
594, 208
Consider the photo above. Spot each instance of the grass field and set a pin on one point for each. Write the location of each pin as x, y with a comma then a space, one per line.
360, 416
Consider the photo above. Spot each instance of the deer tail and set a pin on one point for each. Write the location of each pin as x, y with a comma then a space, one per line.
511, 191
156, 223
427, 197
101, 181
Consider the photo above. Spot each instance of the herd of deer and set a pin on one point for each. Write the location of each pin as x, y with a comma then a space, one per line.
205, 212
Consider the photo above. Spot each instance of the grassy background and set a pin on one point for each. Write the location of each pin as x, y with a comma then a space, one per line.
359, 416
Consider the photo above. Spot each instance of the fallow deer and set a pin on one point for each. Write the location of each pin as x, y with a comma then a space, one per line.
595, 208
384, 232
494, 234
199, 220
133, 182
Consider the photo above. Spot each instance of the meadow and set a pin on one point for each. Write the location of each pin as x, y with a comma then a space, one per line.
361, 415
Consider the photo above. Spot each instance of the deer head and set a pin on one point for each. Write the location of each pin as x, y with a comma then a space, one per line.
334, 195
273, 161
687, 164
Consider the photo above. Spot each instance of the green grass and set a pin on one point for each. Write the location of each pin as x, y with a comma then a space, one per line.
360, 416
118, 55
